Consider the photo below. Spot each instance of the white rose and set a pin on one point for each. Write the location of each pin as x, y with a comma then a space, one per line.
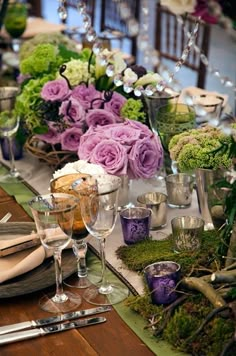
179, 7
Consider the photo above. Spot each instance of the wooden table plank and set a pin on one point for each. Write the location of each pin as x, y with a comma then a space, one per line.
113, 337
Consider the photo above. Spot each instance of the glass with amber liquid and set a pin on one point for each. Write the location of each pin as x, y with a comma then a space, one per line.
63, 184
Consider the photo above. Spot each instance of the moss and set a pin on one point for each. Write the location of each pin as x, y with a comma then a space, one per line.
138, 256
187, 317
185, 321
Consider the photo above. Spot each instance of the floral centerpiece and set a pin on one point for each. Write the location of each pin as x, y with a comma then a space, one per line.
73, 100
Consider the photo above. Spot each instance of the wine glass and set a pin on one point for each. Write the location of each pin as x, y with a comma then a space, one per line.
63, 184
9, 124
15, 22
99, 203
53, 215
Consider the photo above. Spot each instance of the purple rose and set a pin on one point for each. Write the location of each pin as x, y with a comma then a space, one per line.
145, 158
88, 97
124, 134
73, 112
70, 139
55, 90
52, 136
112, 156
144, 130
99, 117
115, 105
88, 142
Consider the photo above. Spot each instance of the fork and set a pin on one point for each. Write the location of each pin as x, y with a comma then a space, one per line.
5, 218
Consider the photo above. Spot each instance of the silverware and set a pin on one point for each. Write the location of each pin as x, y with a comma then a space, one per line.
33, 333
52, 320
5, 218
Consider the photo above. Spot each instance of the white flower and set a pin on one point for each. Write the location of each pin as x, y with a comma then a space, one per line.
179, 7
80, 166
77, 71
119, 63
130, 76
149, 78
231, 176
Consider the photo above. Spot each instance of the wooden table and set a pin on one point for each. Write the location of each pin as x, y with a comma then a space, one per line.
111, 338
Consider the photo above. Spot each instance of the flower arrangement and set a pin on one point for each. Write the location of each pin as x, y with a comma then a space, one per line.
68, 97
200, 148
209, 11
128, 149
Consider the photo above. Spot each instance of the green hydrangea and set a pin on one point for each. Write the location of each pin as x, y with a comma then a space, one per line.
55, 38
133, 110
28, 100
43, 60
77, 71
200, 148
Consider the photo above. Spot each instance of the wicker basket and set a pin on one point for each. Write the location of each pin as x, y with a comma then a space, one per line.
49, 153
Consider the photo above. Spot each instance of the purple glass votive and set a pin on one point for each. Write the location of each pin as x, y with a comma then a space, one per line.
135, 223
162, 278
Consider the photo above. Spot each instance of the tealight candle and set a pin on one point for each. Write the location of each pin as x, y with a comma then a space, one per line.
162, 278
135, 223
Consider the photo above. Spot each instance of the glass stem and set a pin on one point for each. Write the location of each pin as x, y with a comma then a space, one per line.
60, 296
13, 170
105, 287
81, 250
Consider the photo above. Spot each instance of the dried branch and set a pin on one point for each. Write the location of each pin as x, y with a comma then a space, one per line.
205, 288
224, 277
208, 318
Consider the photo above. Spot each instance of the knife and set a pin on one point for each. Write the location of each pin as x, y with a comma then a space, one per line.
32, 333
52, 320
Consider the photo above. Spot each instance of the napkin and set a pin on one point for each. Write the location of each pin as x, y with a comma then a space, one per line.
24, 261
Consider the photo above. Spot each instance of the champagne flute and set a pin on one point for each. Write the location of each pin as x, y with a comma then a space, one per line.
53, 215
99, 203
9, 124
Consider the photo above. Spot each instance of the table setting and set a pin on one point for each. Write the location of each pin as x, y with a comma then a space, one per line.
122, 203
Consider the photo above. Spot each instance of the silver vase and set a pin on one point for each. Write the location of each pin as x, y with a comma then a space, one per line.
210, 197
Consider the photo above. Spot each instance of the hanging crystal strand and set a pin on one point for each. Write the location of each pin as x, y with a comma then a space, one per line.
225, 81
150, 55
90, 33
62, 12
126, 15
178, 65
